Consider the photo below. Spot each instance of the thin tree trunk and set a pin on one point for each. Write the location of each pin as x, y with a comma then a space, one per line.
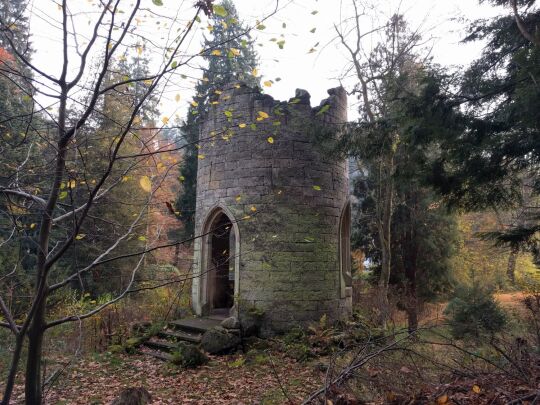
511, 268
385, 237
10, 381
33, 392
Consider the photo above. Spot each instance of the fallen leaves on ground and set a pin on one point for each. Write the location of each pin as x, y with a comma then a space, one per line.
219, 382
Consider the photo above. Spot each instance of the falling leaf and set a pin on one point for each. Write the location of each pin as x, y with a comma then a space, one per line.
80, 236
262, 115
253, 209
201, 157
324, 109
181, 178
165, 120
194, 103
72, 184
318, 188
281, 44
177, 98
235, 52
216, 52
139, 49
476, 389
137, 120
142, 238
261, 27
145, 183
268, 83
238, 198
270, 139
314, 12
313, 30
228, 113
254, 72
242, 125
220, 10
157, 2
32, 226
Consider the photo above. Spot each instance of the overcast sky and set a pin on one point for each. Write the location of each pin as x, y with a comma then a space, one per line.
444, 21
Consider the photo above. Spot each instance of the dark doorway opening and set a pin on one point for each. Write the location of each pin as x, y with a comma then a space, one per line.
222, 264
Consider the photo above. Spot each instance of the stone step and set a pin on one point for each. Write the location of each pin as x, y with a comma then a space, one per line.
157, 354
180, 335
160, 345
197, 325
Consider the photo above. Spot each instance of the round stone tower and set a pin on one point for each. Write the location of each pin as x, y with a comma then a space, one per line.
272, 212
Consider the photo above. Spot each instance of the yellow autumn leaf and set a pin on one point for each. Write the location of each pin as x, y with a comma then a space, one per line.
142, 238
238, 198
476, 389
242, 125
165, 120
216, 52
235, 52
318, 188
270, 139
268, 83
32, 226
139, 49
145, 183
72, 184
262, 115
194, 103
177, 98
137, 120
254, 72
253, 209
443, 399
200, 157
80, 236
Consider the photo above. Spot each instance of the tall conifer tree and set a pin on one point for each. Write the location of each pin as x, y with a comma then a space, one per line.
231, 57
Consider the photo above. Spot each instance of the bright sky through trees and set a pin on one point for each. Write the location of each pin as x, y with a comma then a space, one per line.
308, 58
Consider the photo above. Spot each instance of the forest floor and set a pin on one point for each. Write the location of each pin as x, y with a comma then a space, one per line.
275, 379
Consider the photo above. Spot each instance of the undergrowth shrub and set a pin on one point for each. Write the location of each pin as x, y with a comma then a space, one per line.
473, 312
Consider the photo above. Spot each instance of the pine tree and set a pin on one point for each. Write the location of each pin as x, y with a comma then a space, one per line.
495, 151
231, 57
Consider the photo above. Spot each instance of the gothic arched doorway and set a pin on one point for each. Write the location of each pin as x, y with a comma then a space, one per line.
220, 263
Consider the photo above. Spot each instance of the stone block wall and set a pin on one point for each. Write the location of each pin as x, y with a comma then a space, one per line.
258, 162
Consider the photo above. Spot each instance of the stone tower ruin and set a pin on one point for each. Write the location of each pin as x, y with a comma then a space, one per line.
272, 211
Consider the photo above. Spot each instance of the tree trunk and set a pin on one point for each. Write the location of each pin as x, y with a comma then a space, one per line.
10, 381
511, 268
33, 392
385, 237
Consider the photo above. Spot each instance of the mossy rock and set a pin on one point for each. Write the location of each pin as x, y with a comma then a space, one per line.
219, 340
132, 344
188, 356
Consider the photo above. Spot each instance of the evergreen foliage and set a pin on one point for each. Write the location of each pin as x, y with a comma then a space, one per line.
231, 57
474, 313
493, 152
